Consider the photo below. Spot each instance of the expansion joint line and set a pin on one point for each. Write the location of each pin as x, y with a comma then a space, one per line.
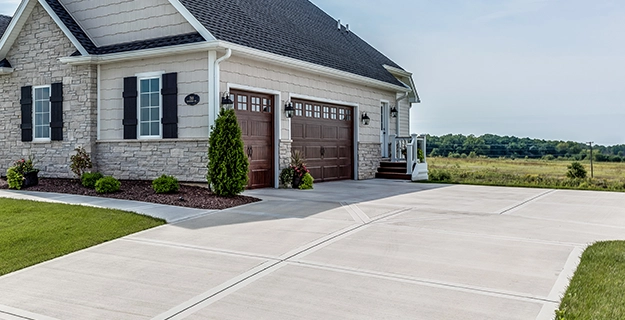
527, 201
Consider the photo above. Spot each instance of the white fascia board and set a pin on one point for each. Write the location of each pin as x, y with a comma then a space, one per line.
195, 23
397, 71
15, 26
142, 54
63, 27
4, 71
260, 55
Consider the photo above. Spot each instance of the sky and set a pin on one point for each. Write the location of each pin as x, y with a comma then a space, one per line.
548, 69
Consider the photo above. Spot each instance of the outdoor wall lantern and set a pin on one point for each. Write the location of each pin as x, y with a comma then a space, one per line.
289, 110
394, 112
226, 102
365, 119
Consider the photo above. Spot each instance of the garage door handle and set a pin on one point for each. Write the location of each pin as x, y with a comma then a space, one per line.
323, 152
251, 152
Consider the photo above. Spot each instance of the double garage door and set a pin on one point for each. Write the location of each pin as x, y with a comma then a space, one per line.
322, 132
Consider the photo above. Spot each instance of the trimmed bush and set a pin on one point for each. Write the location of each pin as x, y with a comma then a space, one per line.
88, 179
165, 184
107, 185
14, 178
286, 177
227, 162
307, 182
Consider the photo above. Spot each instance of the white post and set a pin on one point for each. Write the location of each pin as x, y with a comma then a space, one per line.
424, 148
394, 148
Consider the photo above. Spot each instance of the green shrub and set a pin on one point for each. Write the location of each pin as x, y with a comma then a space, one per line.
14, 178
439, 175
107, 185
81, 161
576, 170
88, 179
307, 182
227, 161
286, 177
165, 184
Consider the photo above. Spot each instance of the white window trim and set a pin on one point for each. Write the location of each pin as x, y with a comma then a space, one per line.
35, 139
146, 76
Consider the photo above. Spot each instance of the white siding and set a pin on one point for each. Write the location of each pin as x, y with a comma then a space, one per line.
120, 21
237, 70
192, 72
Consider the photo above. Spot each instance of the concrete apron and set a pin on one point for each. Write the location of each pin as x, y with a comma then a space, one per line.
361, 250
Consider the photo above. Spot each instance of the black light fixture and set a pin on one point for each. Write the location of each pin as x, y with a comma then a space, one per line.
289, 110
394, 112
226, 102
365, 119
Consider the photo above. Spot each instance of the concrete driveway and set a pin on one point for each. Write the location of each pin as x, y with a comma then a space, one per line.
372, 249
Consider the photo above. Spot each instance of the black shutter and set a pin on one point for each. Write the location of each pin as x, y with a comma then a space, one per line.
27, 113
56, 112
170, 105
130, 108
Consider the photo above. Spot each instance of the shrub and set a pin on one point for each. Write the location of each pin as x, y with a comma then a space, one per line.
576, 170
107, 185
88, 179
227, 162
165, 184
286, 177
439, 175
15, 179
307, 182
81, 161
549, 157
420, 155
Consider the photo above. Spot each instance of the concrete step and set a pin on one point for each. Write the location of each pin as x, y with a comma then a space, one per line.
393, 175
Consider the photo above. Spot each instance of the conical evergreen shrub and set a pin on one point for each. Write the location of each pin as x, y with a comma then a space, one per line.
227, 162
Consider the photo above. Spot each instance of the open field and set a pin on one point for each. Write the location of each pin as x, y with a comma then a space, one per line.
33, 232
525, 172
597, 290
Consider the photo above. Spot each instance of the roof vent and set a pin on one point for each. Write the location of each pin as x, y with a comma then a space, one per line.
347, 28
338, 24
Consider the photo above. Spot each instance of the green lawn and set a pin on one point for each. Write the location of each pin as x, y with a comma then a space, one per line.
525, 173
33, 232
597, 290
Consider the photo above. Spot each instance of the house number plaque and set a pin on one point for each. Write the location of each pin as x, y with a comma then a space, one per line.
192, 99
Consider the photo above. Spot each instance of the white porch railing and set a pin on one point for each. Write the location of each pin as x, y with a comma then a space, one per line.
407, 149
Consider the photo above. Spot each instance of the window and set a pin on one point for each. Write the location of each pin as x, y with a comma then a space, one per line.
309, 111
150, 107
241, 102
255, 104
333, 113
298, 109
41, 113
317, 111
326, 112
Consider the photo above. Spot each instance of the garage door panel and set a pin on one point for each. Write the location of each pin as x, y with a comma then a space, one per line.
326, 141
244, 124
262, 128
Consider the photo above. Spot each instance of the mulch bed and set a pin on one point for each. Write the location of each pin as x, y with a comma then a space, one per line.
139, 190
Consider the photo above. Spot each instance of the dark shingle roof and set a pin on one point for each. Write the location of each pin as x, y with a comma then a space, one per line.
147, 44
294, 28
4, 23
71, 24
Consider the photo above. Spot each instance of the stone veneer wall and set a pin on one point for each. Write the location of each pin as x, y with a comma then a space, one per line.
369, 156
185, 159
34, 57
285, 154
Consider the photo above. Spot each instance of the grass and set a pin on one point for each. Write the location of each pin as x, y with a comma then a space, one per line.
525, 173
33, 232
597, 290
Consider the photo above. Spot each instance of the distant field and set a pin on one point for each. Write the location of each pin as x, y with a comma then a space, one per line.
525, 172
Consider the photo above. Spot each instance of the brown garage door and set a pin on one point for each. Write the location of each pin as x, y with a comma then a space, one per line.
324, 134
255, 114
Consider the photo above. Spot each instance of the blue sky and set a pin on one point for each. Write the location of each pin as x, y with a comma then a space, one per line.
551, 69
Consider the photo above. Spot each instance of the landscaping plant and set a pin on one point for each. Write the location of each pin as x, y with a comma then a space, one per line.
16, 173
88, 179
165, 184
107, 185
286, 177
307, 182
298, 165
227, 162
81, 161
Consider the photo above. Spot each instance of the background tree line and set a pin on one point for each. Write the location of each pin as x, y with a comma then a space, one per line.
494, 146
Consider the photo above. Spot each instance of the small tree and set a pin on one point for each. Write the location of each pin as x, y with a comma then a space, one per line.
576, 170
227, 162
81, 161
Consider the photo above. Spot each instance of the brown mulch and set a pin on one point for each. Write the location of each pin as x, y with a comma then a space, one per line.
139, 190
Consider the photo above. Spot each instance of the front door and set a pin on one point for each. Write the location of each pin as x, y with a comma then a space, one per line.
255, 115
384, 130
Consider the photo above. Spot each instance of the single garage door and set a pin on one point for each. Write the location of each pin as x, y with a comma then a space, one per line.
255, 115
324, 133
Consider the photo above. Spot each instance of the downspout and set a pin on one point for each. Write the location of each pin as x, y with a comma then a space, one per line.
216, 85
397, 101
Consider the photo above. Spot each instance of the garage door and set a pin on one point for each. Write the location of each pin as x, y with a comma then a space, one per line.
255, 114
324, 134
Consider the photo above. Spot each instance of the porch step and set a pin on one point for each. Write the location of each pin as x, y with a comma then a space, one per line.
392, 170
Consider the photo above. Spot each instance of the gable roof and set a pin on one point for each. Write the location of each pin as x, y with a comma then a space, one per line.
293, 28
4, 23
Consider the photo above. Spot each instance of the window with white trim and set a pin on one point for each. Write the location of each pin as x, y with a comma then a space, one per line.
150, 107
41, 113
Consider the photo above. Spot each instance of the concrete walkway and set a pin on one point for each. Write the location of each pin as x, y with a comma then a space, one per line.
373, 249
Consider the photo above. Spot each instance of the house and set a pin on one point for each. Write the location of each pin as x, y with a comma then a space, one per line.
138, 84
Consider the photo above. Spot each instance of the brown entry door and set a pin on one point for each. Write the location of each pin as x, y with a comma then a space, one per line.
324, 134
255, 114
